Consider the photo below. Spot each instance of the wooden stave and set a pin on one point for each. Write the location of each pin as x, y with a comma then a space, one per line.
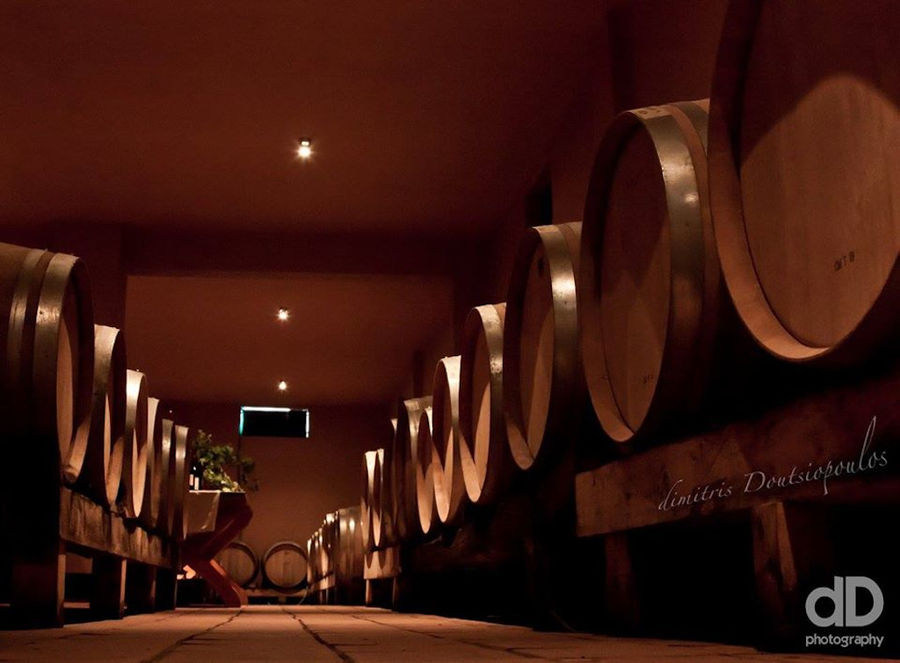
137, 446
427, 463
367, 498
402, 478
101, 474
449, 485
247, 550
568, 391
166, 517
678, 133
276, 547
178, 484
877, 327
41, 291
483, 485
153, 487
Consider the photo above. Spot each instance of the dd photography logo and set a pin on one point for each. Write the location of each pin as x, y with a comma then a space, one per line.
840, 607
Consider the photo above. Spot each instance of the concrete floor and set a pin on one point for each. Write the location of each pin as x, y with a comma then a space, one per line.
363, 635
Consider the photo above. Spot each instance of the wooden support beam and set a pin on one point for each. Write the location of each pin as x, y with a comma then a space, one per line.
89, 526
850, 433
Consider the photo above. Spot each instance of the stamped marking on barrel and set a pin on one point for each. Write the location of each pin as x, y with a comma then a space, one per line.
844, 260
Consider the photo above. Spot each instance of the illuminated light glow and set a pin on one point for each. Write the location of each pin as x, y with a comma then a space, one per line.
304, 148
282, 386
283, 314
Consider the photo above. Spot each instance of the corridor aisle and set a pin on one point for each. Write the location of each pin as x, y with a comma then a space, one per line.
314, 634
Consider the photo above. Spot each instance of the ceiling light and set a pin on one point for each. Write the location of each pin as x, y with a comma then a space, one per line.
282, 386
283, 314
304, 148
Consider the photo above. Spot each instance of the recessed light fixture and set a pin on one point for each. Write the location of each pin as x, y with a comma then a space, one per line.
283, 314
304, 148
282, 386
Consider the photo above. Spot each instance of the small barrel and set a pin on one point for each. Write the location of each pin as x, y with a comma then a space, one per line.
46, 384
284, 565
543, 386
406, 509
427, 463
239, 562
166, 516
649, 288
101, 473
153, 488
137, 446
449, 485
804, 175
367, 498
484, 451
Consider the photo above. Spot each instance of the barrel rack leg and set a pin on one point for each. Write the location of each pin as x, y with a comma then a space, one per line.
792, 553
37, 590
621, 603
140, 588
108, 587
166, 589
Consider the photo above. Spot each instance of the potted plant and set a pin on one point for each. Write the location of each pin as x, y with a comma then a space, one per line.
220, 467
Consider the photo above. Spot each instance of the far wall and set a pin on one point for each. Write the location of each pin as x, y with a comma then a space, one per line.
300, 480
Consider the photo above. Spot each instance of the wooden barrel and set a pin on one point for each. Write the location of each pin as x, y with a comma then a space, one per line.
427, 462
367, 498
239, 562
179, 457
101, 473
804, 174
543, 388
449, 485
381, 503
47, 334
166, 516
284, 565
312, 555
153, 488
649, 296
484, 452
137, 445
406, 508
326, 547
348, 565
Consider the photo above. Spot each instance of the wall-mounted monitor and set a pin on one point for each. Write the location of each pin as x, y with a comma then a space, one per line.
273, 422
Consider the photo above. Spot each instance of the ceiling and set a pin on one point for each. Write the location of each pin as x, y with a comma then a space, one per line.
348, 338
176, 122
425, 117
